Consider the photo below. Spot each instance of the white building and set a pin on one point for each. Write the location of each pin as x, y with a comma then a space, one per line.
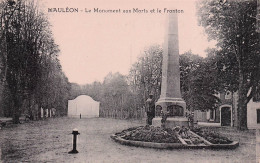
83, 105
253, 114
226, 113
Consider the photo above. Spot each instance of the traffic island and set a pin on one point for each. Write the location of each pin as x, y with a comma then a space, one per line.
170, 138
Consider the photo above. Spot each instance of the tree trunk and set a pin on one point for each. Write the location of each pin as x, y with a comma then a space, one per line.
16, 112
16, 109
39, 113
16, 117
31, 108
242, 103
44, 113
49, 114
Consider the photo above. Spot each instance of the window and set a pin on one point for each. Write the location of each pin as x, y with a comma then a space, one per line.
212, 114
256, 97
258, 115
228, 95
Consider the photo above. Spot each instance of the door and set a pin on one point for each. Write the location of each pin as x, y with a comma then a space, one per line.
225, 116
258, 116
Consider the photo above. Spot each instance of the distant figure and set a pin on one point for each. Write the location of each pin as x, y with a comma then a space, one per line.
80, 116
150, 109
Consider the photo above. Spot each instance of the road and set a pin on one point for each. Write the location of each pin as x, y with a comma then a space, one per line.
50, 141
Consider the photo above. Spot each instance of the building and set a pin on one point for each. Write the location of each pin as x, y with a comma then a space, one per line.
226, 112
83, 106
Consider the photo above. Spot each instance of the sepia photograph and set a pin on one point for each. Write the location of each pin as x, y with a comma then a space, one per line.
130, 81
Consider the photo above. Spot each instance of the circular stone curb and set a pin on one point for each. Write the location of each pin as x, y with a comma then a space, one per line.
148, 144
233, 145
120, 140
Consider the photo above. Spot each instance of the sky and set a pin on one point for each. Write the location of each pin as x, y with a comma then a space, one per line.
94, 44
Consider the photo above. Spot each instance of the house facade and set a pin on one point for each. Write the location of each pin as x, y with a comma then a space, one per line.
226, 112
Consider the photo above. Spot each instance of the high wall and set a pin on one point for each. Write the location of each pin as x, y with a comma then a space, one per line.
83, 105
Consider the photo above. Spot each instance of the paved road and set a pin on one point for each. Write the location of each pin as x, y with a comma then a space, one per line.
50, 141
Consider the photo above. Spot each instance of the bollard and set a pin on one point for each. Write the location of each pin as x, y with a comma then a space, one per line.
75, 133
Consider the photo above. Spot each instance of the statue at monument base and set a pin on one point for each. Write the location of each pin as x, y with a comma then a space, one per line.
150, 109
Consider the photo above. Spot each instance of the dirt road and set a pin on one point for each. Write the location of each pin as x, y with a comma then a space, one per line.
50, 141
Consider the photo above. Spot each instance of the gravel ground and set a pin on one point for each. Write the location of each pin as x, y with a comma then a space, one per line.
50, 141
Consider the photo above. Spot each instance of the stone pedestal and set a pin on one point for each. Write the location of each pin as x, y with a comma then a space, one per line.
170, 101
171, 122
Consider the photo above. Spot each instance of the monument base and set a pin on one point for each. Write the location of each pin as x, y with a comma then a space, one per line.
171, 122
175, 108
165, 103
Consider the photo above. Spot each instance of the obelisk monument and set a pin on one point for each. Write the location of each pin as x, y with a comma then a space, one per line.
170, 101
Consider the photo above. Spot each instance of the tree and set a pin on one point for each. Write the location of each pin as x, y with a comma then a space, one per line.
198, 78
233, 25
145, 75
94, 90
75, 90
115, 96
53, 90
29, 59
16, 52
199, 82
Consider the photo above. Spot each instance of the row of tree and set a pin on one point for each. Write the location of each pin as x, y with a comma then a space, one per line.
31, 74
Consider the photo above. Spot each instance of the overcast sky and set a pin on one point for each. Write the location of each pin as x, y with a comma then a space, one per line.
94, 44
